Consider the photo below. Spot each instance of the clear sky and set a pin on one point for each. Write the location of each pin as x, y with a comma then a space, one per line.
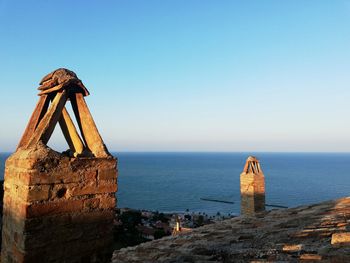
186, 75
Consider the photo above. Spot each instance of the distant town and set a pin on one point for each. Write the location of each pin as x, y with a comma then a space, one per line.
132, 227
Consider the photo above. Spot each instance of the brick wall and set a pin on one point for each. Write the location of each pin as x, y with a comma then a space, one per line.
252, 193
56, 208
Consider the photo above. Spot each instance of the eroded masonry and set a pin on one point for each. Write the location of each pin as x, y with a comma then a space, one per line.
252, 182
59, 207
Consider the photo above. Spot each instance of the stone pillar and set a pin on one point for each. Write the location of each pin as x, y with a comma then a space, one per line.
59, 207
252, 188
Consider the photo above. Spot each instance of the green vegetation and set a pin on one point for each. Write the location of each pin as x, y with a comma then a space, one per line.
127, 234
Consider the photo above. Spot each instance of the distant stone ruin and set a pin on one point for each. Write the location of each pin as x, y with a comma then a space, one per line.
252, 188
59, 207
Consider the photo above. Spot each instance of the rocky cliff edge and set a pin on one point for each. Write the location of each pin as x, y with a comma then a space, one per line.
313, 233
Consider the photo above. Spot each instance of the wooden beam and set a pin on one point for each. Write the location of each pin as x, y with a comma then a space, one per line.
246, 167
47, 124
88, 127
37, 115
259, 168
70, 133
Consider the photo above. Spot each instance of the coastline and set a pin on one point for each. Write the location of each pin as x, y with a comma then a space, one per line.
311, 233
133, 226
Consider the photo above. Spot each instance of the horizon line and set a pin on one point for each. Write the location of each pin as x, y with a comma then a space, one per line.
186, 151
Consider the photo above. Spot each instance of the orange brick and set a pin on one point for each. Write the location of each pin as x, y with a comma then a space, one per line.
83, 189
61, 191
105, 186
92, 217
107, 202
91, 204
50, 208
107, 174
91, 175
109, 186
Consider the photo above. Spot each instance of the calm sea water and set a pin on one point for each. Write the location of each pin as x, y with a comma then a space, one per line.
176, 181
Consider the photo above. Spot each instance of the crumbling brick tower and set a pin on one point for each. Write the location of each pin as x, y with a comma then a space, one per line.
59, 207
252, 188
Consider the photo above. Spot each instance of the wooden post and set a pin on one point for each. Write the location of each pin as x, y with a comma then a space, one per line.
70, 133
88, 127
47, 125
38, 113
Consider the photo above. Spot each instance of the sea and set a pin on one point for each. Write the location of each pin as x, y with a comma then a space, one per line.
176, 182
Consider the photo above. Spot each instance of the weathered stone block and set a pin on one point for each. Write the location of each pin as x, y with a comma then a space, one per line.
55, 206
107, 174
92, 217
107, 202
341, 239
28, 193
52, 208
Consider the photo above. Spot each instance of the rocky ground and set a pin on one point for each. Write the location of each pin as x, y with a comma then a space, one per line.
304, 233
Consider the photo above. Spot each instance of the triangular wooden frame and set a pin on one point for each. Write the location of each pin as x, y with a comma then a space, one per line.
45, 117
252, 165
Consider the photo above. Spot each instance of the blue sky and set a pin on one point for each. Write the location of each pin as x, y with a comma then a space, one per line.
186, 75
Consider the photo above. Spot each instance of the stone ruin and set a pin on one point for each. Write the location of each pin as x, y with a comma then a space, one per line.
252, 188
59, 207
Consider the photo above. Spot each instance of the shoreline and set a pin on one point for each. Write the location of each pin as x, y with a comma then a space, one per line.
134, 226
